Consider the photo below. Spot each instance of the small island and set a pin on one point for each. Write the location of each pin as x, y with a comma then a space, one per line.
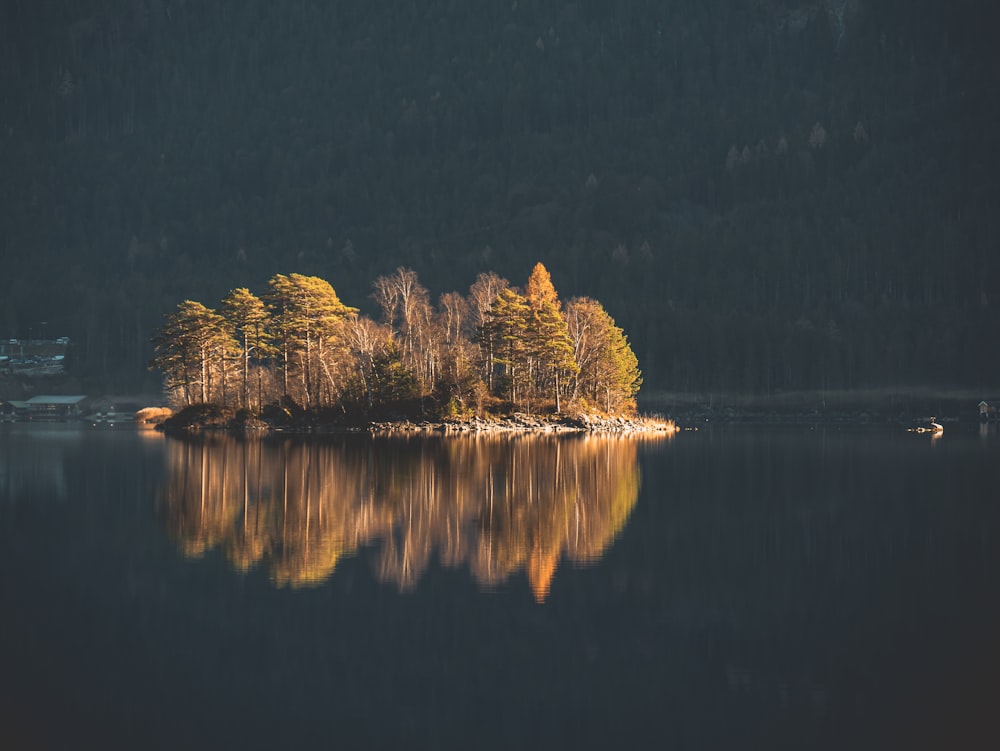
500, 358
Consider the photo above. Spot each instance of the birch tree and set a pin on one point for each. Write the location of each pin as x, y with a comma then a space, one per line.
406, 307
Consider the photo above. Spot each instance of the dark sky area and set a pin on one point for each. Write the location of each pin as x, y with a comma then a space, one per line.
767, 195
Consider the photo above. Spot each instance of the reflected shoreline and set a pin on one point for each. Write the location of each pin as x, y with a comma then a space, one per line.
495, 505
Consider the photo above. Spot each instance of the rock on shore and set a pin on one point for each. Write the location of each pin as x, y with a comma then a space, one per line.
206, 417
524, 423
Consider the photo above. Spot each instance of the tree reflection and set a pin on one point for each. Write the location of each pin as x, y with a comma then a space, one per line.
495, 504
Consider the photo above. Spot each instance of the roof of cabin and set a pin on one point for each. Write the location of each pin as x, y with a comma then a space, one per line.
54, 400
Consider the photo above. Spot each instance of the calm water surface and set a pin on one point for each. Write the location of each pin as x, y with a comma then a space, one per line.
735, 587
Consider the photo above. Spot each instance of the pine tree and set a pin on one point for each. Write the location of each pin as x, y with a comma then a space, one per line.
309, 330
609, 370
505, 332
193, 349
247, 318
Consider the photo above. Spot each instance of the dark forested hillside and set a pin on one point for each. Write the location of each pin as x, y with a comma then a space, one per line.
765, 194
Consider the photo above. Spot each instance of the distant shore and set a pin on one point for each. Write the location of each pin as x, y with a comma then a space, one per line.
903, 405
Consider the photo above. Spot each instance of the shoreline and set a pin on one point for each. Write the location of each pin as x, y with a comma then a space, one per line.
186, 423
523, 423
661, 413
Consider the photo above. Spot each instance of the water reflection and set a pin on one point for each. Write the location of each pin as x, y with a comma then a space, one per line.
496, 505
34, 462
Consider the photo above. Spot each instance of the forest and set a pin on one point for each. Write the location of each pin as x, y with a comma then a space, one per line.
768, 195
301, 350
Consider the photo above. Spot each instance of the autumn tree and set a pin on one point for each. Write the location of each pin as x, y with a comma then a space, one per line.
521, 347
548, 339
609, 371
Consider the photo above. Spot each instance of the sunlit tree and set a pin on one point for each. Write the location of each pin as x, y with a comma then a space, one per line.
368, 342
310, 333
482, 294
609, 373
548, 338
405, 305
300, 342
248, 318
505, 332
458, 375
194, 351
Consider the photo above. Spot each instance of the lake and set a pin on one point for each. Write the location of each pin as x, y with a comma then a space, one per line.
738, 586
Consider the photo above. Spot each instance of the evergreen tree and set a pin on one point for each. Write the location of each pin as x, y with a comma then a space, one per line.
248, 319
309, 329
505, 332
609, 370
192, 350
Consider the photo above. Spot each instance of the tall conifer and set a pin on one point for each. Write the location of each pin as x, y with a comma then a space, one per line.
548, 337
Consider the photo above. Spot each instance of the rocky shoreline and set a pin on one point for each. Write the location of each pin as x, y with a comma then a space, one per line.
523, 423
196, 420
211, 419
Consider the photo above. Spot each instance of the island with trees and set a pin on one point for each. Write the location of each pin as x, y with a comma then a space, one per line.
499, 357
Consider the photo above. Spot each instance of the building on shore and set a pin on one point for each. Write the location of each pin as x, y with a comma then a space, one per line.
54, 407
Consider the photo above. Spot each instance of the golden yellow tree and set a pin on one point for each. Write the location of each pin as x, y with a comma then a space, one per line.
609, 373
548, 337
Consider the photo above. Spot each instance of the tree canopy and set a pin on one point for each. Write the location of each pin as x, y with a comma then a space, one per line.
496, 349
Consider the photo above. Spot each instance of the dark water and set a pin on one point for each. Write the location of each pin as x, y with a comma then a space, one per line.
738, 587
